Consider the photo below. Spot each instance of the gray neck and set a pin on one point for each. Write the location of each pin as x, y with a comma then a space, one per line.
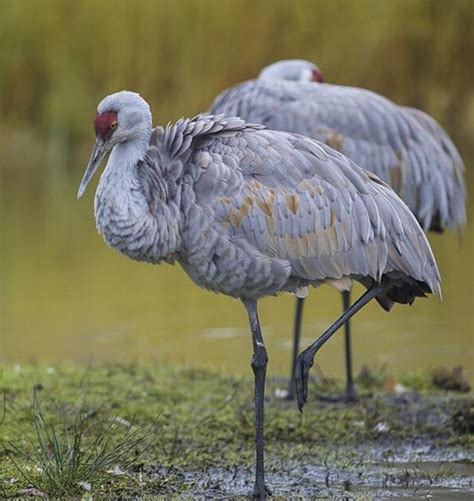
130, 152
120, 173
129, 213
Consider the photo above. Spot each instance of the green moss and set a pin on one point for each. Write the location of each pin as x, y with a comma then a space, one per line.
205, 420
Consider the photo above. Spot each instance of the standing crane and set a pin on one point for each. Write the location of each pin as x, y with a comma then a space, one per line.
403, 146
249, 212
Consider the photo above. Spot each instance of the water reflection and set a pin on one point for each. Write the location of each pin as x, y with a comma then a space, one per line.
65, 295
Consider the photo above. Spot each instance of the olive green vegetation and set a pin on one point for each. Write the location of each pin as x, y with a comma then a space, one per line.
139, 429
59, 57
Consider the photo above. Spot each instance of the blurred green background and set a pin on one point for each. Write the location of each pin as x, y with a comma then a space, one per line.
64, 295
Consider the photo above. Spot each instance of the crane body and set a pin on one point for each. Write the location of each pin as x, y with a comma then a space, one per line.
250, 212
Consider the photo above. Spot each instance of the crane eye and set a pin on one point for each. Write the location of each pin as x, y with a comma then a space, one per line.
114, 125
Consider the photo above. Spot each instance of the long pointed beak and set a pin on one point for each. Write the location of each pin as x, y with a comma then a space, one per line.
97, 155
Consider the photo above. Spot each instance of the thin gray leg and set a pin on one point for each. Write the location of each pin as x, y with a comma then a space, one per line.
259, 367
296, 346
351, 394
306, 358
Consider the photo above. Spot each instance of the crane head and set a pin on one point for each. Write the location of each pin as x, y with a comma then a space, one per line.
120, 117
105, 124
296, 70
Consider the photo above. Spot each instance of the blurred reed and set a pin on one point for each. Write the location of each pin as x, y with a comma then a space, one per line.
58, 58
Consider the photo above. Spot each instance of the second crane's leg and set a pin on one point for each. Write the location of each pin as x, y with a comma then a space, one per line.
296, 346
351, 394
306, 358
259, 367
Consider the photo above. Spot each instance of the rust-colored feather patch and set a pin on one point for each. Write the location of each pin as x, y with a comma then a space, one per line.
292, 202
236, 216
396, 174
335, 140
266, 205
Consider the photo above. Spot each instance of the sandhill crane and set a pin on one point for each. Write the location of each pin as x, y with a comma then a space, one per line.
405, 147
250, 212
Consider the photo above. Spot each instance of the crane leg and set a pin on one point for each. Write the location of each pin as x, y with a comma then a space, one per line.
351, 394
290, 394
306, 358
259, 368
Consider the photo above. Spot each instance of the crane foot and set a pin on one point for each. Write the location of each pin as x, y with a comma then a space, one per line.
261, 491
304, 363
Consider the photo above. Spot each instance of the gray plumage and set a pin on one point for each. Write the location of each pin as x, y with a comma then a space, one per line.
404, 147
250, 212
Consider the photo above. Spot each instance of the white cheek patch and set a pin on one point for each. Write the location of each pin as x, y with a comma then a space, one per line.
306, 75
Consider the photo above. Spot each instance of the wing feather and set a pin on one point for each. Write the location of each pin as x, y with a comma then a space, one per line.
309, 205
404, 147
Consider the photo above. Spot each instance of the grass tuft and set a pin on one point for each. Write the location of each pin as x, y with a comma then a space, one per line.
72, 450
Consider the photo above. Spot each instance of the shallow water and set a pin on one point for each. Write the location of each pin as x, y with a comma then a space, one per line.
66, 296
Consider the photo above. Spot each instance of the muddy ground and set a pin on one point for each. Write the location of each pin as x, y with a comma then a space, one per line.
404, 438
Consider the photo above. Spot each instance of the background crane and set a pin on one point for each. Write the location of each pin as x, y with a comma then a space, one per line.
405, 147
